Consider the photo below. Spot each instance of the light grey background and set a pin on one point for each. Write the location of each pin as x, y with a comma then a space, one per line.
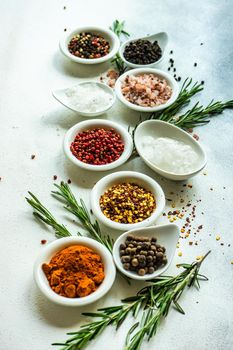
32, 122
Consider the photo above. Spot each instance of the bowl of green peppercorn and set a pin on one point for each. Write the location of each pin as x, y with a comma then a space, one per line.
146, 253
89, 45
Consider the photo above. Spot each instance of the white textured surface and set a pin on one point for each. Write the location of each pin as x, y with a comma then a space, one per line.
32, 122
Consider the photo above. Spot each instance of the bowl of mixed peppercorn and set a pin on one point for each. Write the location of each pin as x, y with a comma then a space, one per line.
126, 200
90, 45
146, 253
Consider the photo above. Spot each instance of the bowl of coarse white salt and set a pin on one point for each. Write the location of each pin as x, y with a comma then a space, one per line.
168, 150
87, 98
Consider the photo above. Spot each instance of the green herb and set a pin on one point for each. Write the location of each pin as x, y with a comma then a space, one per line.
44, 214
118, 28
80, 211
196, 116
152, 302
187, 91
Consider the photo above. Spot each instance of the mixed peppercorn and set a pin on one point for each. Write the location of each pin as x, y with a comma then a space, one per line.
142, 52
97, 146
142, 254
88, 45
127, 203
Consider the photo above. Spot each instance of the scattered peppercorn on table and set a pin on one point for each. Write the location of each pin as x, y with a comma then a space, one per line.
31, 158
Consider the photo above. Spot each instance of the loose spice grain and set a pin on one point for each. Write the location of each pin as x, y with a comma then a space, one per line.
127, 203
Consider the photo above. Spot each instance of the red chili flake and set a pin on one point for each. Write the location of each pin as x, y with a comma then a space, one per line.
69, 181
196, 137
43, 241
54, 177
97, 146
33, 156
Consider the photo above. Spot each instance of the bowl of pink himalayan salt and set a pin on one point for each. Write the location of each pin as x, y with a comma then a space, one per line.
147, 89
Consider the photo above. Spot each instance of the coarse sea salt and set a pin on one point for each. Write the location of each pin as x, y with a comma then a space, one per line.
170, 154
89, 97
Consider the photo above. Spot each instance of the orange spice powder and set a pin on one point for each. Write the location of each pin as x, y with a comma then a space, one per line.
75, 271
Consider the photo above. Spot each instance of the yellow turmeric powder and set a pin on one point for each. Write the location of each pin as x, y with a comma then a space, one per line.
75, 271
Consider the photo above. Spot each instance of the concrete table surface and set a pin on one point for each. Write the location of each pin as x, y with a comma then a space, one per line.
32, 122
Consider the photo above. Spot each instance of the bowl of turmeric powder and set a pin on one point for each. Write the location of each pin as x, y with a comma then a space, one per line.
74, 271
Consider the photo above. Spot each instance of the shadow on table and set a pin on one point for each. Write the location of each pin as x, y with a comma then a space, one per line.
74, 69
65, 317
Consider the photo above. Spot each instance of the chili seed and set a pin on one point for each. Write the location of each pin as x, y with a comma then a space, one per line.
127, 203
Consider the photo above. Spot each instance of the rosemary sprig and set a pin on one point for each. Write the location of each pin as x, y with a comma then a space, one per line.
44, 214
199, 115
165, 292
118, 28
188, 90
65, 194
153, 301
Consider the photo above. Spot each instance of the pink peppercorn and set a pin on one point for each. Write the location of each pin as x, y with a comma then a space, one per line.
97, 146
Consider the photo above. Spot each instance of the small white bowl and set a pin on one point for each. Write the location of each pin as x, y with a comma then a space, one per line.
127, 176
92, 124
61, 96
158, 128
163, 75
107, 34
51, 249
161, 38
167, 236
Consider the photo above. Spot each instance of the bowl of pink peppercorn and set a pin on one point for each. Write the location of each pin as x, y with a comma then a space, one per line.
98, 145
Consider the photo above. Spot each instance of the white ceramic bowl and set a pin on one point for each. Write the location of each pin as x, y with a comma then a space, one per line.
105, 33
169, 78
167, 236
51, 249
92, 124
61, 96
127, 176
157, 128
161, 38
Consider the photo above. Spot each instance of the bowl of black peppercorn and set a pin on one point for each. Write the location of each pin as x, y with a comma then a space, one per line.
146, 253
144, 52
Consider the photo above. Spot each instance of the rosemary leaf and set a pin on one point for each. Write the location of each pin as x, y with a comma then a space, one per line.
80, 211
153, 300
44, 215
118, 28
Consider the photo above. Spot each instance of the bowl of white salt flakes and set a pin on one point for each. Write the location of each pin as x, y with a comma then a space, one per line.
168, 150
88, 98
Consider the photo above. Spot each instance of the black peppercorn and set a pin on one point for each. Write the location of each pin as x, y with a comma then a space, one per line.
142, 52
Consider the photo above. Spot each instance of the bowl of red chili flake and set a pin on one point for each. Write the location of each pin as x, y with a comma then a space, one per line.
89, 45
98, 145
